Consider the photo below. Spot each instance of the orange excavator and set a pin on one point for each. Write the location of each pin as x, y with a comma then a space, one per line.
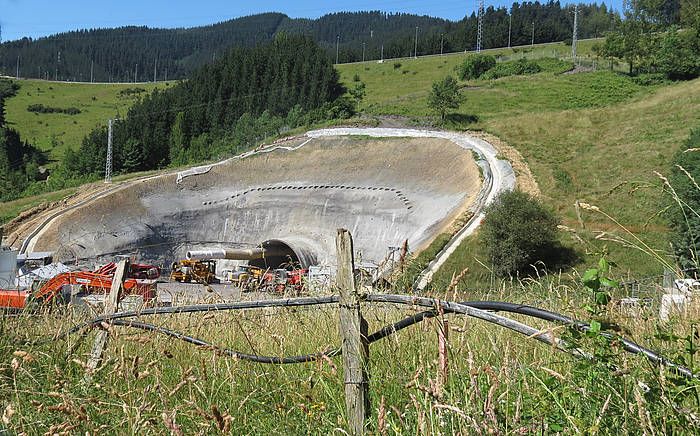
139, 281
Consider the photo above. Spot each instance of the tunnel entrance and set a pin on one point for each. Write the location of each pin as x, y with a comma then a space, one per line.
281, 256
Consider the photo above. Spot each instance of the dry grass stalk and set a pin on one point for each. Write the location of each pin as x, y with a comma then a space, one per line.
169, 421
381, 417
456, 279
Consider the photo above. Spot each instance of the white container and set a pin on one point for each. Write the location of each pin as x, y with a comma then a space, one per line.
8, 268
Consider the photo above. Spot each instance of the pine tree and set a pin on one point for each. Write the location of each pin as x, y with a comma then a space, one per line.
178, 139
133, 159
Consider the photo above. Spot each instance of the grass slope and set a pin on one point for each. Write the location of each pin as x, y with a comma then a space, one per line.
592, 137
55, 132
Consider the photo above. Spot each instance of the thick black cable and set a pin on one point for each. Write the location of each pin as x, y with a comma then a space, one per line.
228, 352
476, 309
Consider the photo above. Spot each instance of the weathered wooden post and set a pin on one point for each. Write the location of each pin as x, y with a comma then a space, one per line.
353, 331
443, 359
111, 304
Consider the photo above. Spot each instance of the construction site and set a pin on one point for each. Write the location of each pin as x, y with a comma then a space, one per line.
262, 220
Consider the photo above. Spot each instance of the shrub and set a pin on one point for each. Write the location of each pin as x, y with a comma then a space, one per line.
685, 203
515, 68
518, 232
678, 55
130, 92
475, 65
40, 108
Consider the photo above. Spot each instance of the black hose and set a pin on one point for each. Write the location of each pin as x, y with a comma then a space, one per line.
478, 309
228, 352
240, 305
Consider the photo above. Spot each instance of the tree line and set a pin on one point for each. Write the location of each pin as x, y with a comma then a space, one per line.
19, 161
224, 107
139, 54
657, 37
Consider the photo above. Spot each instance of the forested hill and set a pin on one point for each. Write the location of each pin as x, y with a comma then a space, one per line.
19, 161
223, 107
139, 53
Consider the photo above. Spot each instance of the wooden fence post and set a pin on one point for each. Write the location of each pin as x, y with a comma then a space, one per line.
443, 359
111, 304
353, 331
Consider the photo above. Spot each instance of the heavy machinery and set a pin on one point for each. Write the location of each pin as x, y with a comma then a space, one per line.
136, 271
252, 277
282, 280
99, 282
194, 271
244, 276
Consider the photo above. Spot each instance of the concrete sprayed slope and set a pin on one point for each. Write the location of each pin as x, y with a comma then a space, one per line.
384, 190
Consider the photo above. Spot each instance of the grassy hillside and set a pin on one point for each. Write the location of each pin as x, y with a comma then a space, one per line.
596, 137
54, 132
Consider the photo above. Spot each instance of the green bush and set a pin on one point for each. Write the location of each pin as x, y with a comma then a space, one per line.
518, 232
678, 56
475, 65
515, 68
40, 108
650, 79
684, 202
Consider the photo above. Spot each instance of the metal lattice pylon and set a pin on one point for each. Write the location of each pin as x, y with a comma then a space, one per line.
480, 27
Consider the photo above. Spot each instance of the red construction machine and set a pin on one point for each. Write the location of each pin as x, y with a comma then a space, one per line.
140, 281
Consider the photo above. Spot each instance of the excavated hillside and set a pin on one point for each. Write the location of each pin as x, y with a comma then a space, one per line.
385, 191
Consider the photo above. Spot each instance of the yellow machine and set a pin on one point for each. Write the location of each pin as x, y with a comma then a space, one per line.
245, 277
194, 271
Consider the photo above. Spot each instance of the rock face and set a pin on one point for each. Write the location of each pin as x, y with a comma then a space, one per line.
385, 191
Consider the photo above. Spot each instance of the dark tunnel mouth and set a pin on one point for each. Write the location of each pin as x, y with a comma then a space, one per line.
285, 257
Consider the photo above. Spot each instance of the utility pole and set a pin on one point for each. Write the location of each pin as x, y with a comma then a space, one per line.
18, 67
136, 74
382, 53
337, 49
442, 40
480, 26
155, 71
92, 70
363, 51
57, 65
532, 42
108, 165
574, 40
510, 26
415, 51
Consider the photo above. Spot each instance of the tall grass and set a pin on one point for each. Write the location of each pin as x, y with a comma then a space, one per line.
499, 382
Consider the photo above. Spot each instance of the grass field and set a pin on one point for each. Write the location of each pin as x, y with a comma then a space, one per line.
595, 137
54, 132
499, 382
